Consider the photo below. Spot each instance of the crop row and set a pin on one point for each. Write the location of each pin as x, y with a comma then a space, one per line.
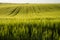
28, 9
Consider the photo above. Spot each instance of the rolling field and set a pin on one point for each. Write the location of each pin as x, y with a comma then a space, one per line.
29, 21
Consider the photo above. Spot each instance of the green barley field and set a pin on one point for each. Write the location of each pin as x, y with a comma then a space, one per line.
29, 21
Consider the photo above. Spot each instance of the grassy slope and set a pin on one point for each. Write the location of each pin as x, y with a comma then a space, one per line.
30, 9
29, 12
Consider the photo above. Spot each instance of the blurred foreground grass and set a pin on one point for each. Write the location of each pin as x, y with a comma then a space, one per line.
34, 29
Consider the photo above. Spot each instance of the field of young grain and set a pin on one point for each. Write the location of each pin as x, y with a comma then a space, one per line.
29, 21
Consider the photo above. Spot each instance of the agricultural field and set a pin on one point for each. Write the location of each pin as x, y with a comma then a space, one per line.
29, 21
